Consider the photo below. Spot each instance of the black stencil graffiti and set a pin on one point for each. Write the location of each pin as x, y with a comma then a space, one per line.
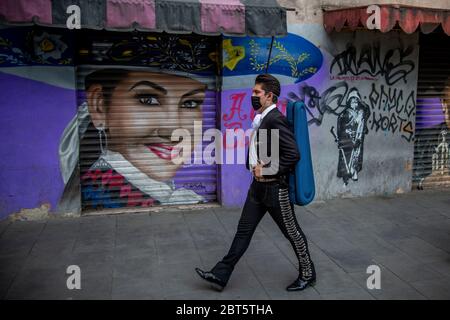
351, 130
393, 66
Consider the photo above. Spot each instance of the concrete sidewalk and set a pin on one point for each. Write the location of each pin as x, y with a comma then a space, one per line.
153, 255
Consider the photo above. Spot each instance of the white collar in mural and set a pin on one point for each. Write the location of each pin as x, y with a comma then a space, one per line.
161, 191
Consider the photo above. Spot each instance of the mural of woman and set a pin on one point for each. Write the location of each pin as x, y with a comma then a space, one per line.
130, 113
134, 91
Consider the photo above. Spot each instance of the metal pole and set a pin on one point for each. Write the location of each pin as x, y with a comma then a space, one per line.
270, 52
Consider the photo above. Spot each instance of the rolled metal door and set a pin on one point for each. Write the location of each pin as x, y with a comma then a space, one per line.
432, 137
135, 89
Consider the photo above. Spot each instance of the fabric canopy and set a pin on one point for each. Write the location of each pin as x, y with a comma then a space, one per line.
208, 17
408, 18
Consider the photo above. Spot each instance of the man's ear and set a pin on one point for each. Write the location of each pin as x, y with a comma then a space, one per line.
96, 105
272, 96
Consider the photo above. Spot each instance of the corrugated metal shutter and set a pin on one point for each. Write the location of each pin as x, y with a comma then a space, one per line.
431, 149
140, 87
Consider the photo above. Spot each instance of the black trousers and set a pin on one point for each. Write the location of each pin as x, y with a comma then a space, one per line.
274, 198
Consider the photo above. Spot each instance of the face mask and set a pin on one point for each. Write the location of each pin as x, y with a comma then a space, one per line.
256, 103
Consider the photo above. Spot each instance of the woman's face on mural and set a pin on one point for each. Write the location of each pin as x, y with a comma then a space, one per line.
144, 109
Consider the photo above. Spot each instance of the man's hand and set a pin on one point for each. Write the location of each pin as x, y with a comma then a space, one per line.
257, 170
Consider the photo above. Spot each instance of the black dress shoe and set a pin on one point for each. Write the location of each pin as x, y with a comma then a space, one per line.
300, 284
215, 282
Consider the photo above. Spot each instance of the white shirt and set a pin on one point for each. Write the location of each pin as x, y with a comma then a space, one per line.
253, 156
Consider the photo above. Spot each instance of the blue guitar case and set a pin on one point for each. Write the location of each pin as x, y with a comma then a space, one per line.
301, 181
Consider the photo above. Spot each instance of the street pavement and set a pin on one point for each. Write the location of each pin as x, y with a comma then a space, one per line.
152, 255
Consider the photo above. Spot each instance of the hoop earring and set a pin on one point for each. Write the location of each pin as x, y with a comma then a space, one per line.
102, 137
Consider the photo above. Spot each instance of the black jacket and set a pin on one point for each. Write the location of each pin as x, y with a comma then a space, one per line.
289, 154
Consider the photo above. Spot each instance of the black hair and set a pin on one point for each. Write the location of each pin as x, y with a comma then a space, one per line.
107, 78
269, 84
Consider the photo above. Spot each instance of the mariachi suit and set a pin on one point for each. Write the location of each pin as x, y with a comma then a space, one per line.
273, 197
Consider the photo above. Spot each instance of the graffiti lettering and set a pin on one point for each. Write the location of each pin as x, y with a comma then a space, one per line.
236, 107
393, 66
393, 123
233, 119
197, 186
391, 98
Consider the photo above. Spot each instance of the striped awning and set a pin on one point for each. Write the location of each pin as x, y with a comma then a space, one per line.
408, 18
208, 17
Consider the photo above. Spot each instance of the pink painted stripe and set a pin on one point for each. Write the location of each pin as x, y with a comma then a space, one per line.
122, 13
25, 10
218, 15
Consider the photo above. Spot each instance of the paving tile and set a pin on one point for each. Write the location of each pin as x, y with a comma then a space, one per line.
153, 255
392, 287
38, 283
92, 244
204, 217
20, 237
332, 279
93, 287
10, 266
180, 279
177, 252
162, 218
352, 260
442, 266
351, 294
171, 233
135, 247
209, 236
4, 224
407, 268
438, 289
420, 249
130, 288
136, 267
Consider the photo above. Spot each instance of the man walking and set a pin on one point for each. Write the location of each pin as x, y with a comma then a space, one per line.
269, 188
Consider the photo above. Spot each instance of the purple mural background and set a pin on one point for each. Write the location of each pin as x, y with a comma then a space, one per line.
34, 115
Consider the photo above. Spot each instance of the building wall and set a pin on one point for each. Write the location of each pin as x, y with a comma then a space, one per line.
38, 100
322, 69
